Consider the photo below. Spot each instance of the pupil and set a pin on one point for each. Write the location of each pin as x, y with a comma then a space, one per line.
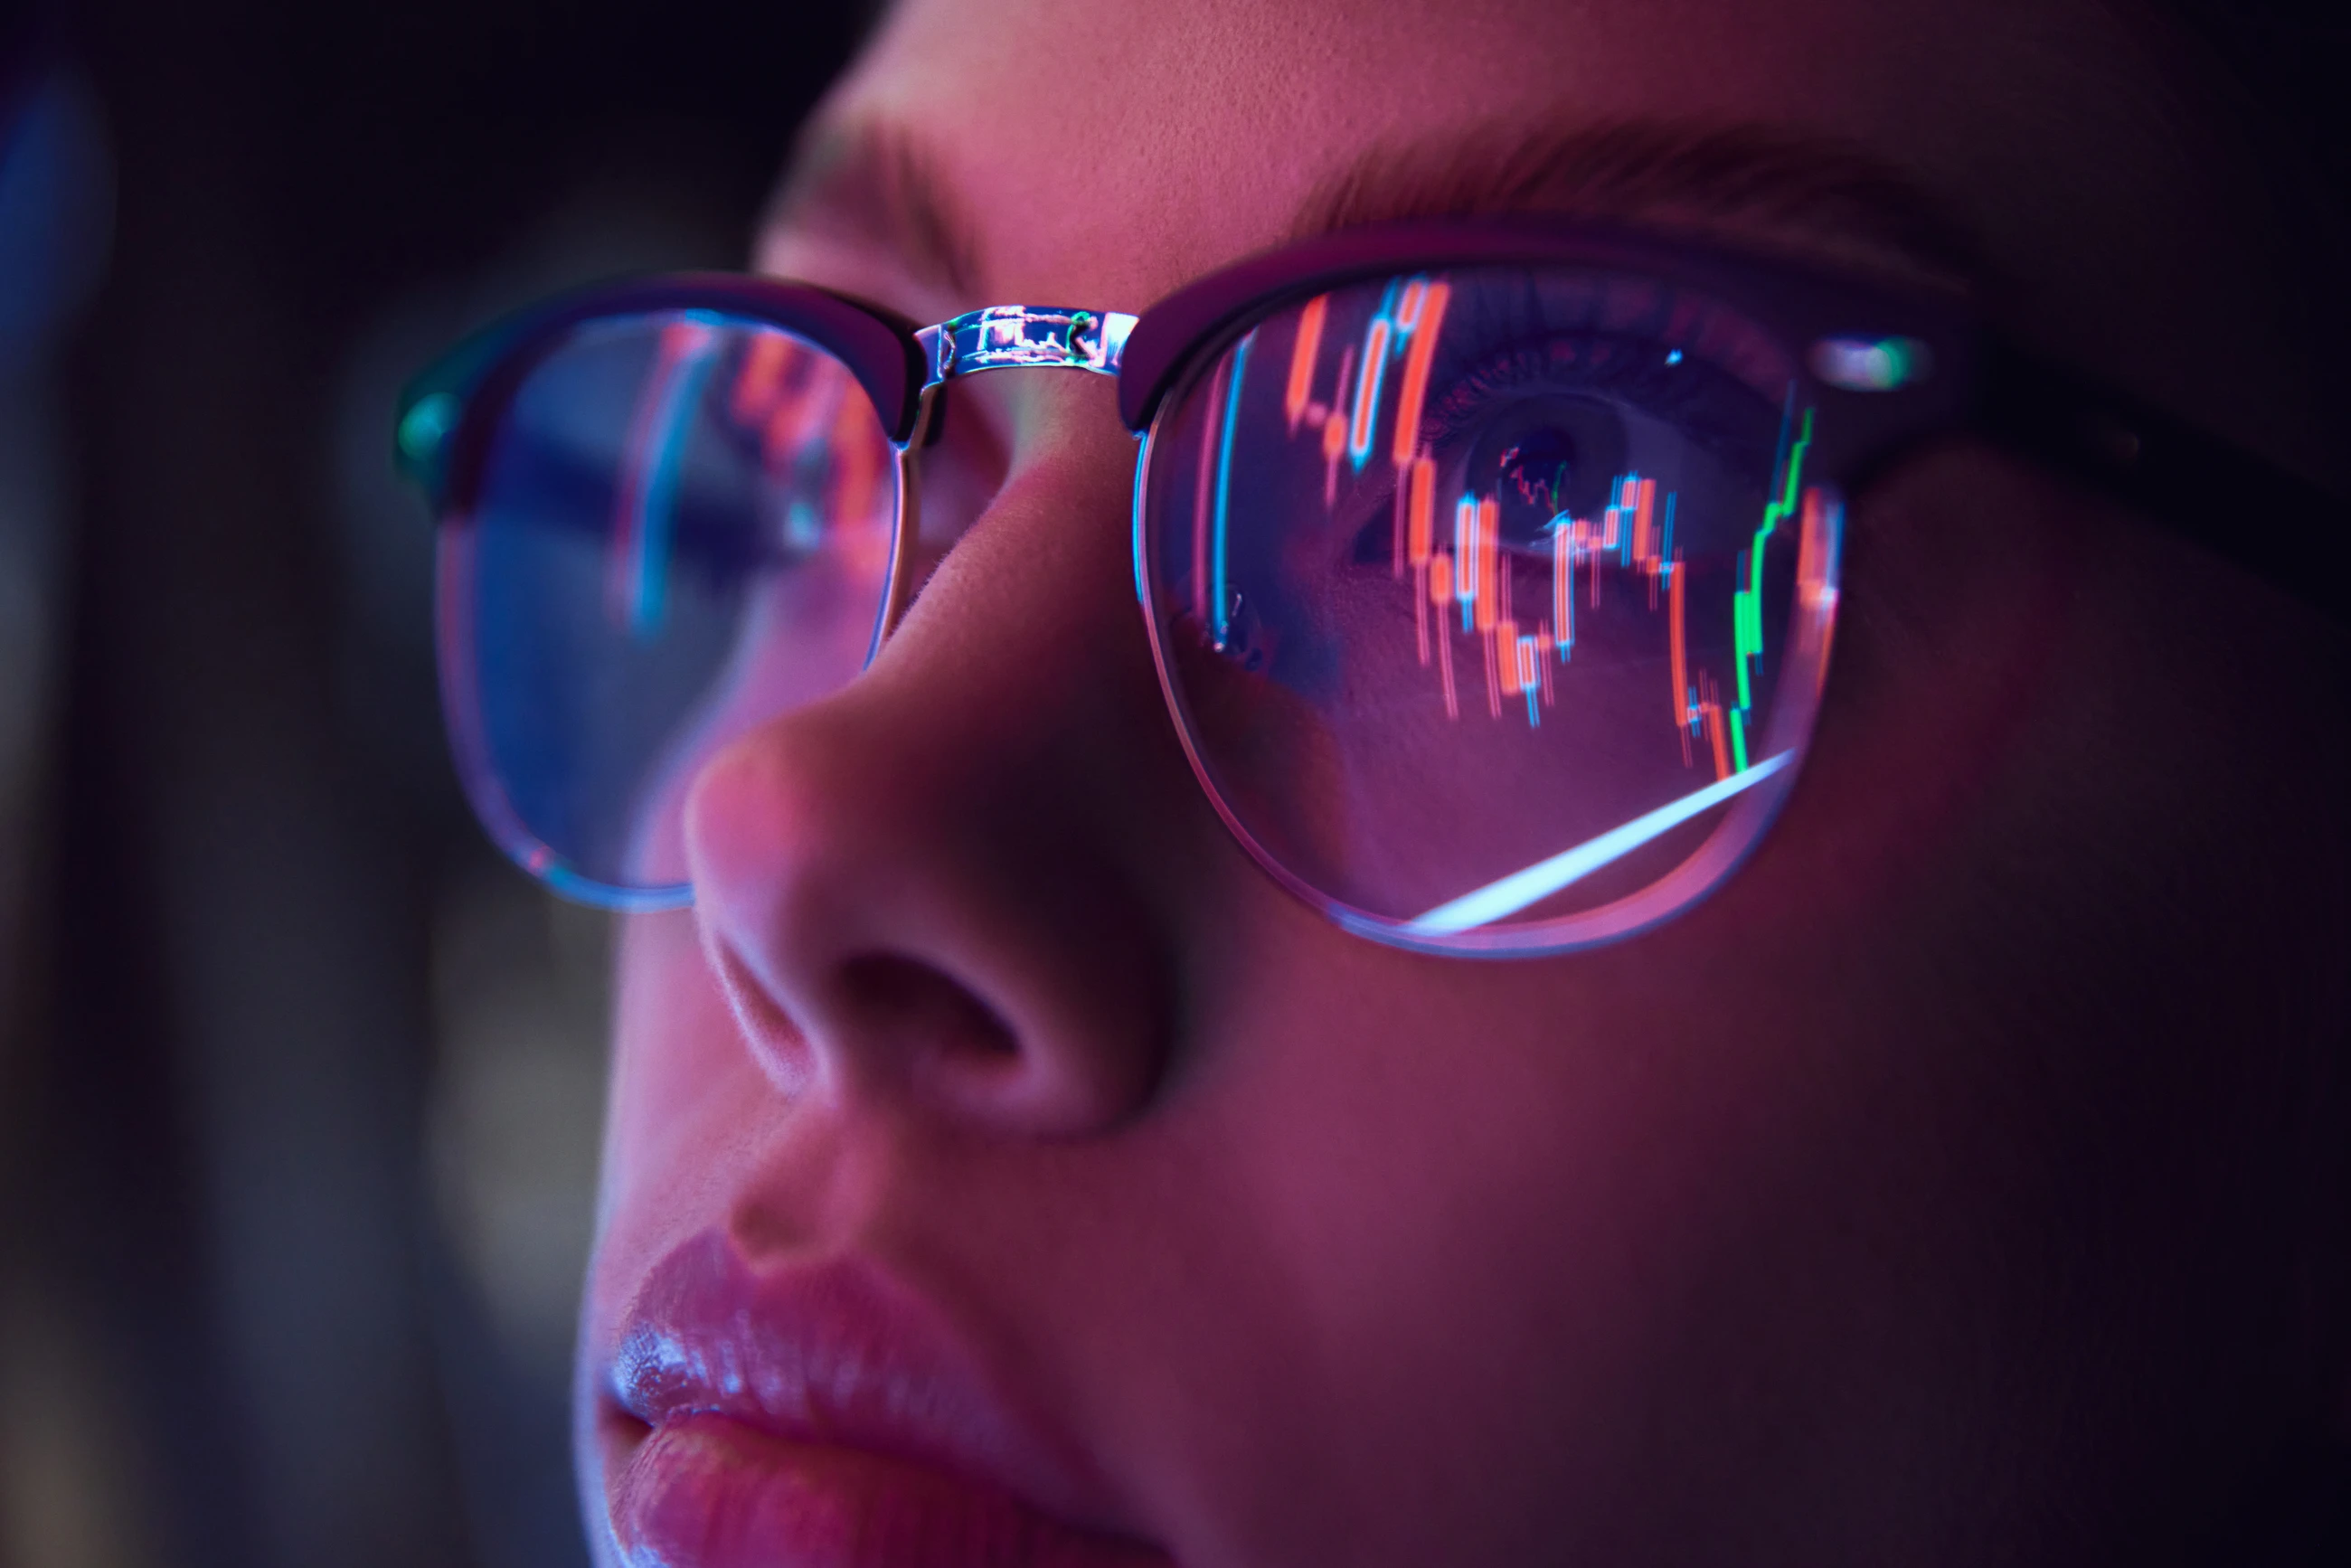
1546, 455
1536, 470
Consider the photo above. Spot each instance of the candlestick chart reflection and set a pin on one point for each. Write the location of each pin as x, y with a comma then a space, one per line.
1491, 596
681, 528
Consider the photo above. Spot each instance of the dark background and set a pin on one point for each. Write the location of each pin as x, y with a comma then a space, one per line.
300, 1084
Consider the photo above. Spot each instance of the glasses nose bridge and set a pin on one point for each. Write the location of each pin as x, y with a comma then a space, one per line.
995, 338
1006, 337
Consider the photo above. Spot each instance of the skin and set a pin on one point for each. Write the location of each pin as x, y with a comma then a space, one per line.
1961, 1182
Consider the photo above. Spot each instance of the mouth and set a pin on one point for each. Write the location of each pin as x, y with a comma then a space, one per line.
818, 1417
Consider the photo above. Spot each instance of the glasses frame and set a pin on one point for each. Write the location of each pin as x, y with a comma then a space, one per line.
1968, 379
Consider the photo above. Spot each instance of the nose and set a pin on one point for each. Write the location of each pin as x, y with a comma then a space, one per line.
946, 886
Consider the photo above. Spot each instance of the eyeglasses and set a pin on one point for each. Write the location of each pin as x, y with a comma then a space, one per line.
1490, 568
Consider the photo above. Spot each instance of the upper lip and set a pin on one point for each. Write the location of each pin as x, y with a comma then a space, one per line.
832, 1354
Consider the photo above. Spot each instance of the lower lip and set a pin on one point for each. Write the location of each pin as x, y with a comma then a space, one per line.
709, 1492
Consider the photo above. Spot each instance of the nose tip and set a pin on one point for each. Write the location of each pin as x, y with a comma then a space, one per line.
892, 924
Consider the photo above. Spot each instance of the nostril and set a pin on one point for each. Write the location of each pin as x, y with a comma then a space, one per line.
912, 1000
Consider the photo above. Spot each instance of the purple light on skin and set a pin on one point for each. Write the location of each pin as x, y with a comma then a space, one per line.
1500, 900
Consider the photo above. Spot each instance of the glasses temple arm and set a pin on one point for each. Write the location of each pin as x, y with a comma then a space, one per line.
2274, 523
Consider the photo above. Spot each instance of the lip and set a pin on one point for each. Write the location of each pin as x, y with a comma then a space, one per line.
821, 1415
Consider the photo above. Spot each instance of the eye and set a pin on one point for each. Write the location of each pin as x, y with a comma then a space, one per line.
1543, 455
1539, 454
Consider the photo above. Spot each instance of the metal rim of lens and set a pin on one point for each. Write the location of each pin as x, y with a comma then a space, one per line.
1734, 836
478, 772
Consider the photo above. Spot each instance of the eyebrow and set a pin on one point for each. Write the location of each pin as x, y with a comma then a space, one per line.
879, 186
1819, 191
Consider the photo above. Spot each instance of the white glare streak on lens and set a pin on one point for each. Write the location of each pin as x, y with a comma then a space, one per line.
1499, 900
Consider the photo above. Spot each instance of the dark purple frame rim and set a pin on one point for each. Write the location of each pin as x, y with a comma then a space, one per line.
2196, 483
2192, 481
876, 344
1796, 303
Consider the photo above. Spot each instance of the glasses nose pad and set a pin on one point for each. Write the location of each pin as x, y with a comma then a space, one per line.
1240, 634
906, 520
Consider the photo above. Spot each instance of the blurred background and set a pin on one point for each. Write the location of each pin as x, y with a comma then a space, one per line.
299, 1084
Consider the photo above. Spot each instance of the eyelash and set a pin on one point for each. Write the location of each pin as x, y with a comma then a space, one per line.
1680, 391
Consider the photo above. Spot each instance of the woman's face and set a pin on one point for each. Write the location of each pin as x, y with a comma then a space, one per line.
1017, 1169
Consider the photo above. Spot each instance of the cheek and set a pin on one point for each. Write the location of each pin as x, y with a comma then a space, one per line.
1522, 1233
686, 1100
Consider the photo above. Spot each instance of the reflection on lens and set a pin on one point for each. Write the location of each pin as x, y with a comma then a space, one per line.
1495, 602
681, 526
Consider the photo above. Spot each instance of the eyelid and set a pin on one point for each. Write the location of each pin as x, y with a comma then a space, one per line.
1690, 385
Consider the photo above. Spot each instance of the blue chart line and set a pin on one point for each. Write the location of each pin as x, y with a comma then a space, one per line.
1500, 900
1223, 610
674, 405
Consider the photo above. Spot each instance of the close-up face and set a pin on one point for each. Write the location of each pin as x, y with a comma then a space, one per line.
1012, 1159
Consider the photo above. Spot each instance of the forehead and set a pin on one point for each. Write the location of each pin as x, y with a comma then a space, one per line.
1114, 151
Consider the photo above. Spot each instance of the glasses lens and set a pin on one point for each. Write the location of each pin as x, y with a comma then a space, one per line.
1494, 602
681, 526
